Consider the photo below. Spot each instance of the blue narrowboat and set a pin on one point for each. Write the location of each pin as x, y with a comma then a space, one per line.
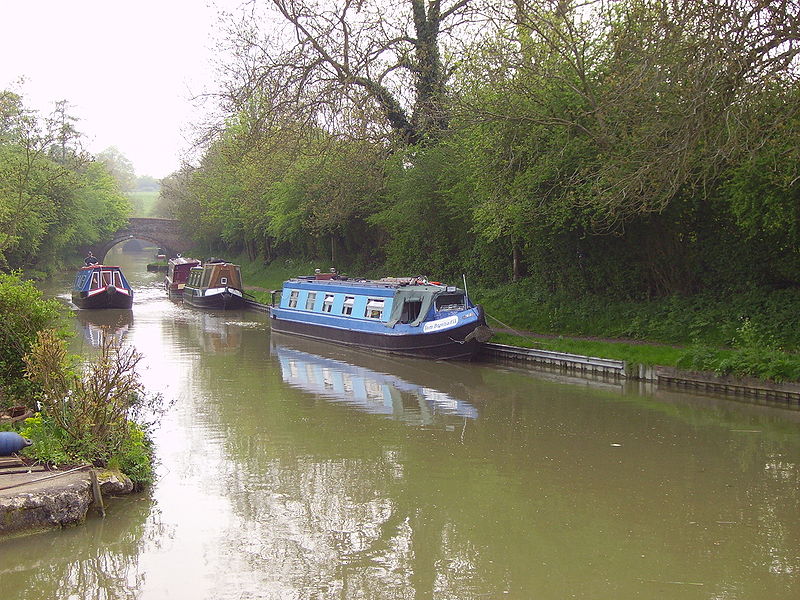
408, 315
101, 286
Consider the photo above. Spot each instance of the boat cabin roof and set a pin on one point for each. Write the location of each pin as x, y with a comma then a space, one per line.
98, 266
373, 285
183, 260
212, 265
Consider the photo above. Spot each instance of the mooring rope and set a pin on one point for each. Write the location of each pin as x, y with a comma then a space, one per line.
51, 476
519, 333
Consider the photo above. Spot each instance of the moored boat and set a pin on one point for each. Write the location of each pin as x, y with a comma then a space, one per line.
101, 286
178, 270
214, 284
408, 316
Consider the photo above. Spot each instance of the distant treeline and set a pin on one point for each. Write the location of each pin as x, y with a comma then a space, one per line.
54, 197
638, 148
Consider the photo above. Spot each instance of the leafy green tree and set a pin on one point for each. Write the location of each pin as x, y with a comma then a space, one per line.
26, 176
25, 314
120, 167
52, 197
600, 133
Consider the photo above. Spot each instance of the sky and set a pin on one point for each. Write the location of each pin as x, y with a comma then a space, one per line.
127, 68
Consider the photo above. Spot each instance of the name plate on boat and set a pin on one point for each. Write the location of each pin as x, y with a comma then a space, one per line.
440, 324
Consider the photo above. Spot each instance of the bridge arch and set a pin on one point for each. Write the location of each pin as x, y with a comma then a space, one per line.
164, 233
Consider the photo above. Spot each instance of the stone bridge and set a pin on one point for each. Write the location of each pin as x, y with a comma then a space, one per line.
164, 233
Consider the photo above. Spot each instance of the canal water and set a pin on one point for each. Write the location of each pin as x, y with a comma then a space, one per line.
297, 470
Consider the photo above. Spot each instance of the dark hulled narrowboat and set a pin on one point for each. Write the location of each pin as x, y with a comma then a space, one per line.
178, 270
408, 316
214, 284
101, 286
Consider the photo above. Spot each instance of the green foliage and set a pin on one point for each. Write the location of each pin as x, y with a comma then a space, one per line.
24, 315
48, 440
747, 334
53, 198
426, 217
709, 318
88, 415
135, 456
631, 166
756, 353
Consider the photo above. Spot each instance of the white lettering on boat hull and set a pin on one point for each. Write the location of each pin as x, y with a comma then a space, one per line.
440, 324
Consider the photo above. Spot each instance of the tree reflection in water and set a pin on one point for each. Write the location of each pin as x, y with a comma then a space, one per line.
97, 560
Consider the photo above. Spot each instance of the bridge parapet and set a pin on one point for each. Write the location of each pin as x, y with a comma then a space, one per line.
164, 233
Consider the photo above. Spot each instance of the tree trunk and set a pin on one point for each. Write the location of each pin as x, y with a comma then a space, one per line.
516, 273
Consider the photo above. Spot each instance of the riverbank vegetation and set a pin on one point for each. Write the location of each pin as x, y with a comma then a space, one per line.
617, 169
90, 413
94, 412
24, 315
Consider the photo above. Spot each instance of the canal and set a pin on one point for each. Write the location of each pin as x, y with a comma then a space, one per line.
297, 470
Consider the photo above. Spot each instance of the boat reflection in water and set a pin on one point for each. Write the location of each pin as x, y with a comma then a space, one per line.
216, 334
362, 381
110, 322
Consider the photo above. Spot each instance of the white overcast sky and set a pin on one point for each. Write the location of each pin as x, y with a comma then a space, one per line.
128, 68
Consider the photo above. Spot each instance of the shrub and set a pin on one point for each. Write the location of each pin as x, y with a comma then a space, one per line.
90, 414
24, 314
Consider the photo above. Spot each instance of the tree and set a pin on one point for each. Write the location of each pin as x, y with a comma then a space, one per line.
355, 67
586, 119
661, 89
65, 147
120, 167
26, 175
52, 198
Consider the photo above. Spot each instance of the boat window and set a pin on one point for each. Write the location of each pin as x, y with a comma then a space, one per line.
107, 277
293, 299
347, 307
118, 279
411, 310
205, 281
374, 308
327, 304
311, 300
95, 281
450, 302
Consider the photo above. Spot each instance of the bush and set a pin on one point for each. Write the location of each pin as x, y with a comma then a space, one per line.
135, 457
24, 314
89, 415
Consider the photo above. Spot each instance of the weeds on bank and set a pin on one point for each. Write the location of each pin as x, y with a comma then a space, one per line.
753, 333
95, 414
755, 353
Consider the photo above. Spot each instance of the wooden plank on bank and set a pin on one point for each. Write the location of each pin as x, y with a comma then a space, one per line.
17, 471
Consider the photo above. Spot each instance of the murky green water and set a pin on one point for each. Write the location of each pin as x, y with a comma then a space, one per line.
302, 471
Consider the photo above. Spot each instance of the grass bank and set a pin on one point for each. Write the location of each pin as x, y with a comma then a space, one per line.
748, 333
